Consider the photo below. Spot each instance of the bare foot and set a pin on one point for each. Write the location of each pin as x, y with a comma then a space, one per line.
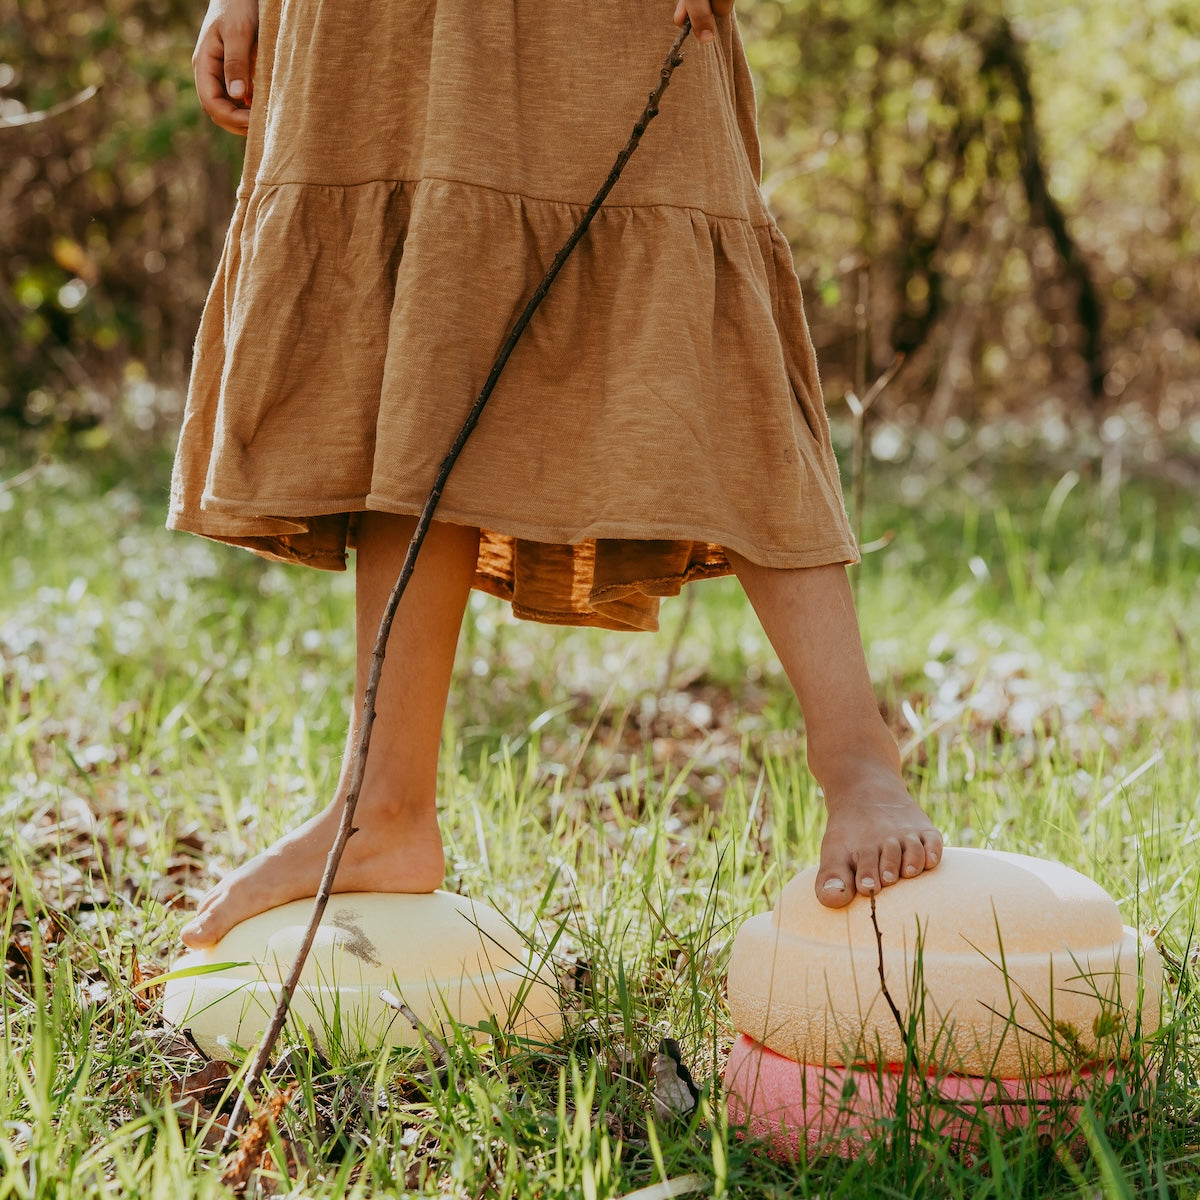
390, 856
876, 835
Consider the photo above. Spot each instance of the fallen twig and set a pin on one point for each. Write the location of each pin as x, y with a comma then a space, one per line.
36, 118
23, 477
437, 1048
346, 826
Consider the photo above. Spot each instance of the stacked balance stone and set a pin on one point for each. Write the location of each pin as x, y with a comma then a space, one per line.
1014, 987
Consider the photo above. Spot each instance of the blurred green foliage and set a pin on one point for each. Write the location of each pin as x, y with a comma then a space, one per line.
111, 211
1004, 190
967, 169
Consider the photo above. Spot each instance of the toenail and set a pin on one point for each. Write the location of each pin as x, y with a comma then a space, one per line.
889, 877
833, 885
910, 870
868, 884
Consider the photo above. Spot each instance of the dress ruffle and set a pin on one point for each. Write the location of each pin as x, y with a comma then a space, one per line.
663, 404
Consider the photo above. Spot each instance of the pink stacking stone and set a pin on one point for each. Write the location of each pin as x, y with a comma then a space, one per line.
837, 1109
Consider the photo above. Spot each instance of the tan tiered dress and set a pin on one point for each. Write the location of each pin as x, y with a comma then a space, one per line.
412, 168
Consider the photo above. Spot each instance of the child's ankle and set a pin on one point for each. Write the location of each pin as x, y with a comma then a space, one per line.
846, 768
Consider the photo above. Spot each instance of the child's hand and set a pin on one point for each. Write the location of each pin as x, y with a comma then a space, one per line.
223, 62
704, 14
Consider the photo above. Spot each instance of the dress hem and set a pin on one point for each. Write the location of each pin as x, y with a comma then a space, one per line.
260, 527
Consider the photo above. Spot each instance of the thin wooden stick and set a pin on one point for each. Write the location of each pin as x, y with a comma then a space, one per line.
910, 1049
883, 986
346, 827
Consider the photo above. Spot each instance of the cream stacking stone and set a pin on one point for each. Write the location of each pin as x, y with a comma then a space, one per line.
1024, 968
443, 955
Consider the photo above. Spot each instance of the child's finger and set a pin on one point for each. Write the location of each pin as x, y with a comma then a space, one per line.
703, 14
211, 88
238, 42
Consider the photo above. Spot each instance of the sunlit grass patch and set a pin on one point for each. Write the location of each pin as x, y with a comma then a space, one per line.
168, 706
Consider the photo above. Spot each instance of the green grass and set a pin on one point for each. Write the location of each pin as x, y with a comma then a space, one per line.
168, 706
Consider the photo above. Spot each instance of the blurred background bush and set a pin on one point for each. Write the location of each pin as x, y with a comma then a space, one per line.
1005, 193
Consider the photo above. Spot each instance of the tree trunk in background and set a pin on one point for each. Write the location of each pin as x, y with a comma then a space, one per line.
1004, 54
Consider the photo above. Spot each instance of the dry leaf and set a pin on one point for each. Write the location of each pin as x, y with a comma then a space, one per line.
206, 1086
140, 985
93, 991
197, 1097
673, 1091
170, 1042
296, 1163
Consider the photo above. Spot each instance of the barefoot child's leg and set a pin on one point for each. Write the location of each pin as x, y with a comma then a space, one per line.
398, 846
875, 833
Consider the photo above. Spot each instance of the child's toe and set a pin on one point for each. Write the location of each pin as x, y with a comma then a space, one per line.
890, 858
932, 845
867, 874
914, 856
835, 887
196, 933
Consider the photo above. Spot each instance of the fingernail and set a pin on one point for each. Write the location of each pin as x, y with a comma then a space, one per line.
237, 89
889, 877
868, 884
833, 885
706, 36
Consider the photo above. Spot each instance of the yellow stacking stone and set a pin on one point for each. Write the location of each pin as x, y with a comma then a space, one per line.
443, 955
1015, 966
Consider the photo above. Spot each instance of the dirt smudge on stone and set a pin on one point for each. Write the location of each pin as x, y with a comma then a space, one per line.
355, 939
